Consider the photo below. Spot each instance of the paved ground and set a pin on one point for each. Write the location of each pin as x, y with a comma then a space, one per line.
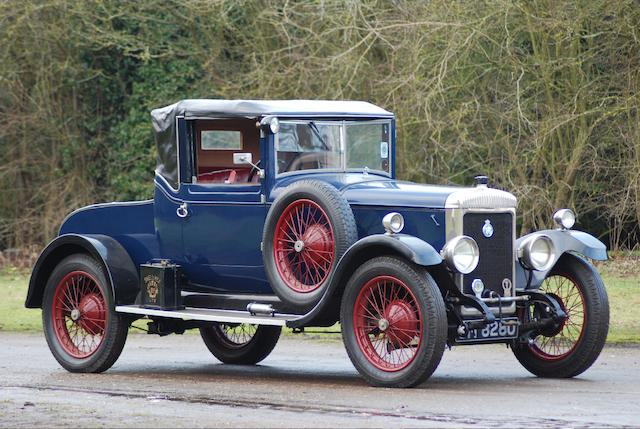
174, 381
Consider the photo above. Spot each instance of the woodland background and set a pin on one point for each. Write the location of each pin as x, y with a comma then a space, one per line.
542, 96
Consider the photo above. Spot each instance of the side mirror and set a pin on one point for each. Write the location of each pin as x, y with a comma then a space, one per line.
245, 158
242, 158
269, 123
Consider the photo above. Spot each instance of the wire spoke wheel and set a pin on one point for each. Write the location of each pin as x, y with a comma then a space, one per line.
565, 290
572, 346
303, 246
240, 343
393, 322
236, 335
79, 314
82, 329
387, 323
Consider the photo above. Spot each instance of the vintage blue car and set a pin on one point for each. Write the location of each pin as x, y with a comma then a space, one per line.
287, 213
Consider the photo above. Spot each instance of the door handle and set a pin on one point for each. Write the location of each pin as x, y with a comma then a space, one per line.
182, 210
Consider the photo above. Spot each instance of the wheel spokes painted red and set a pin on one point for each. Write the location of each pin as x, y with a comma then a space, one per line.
565, 290
79, 314
303, 246
387, 323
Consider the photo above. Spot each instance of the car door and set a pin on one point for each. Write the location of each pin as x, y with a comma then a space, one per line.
223, 210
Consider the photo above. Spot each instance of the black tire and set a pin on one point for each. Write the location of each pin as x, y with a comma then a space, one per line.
394, 323
81, 327
240, 344
300, 275
573, 347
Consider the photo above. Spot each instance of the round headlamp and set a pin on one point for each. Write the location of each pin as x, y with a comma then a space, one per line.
461, 253
393, 223
564, 218
271, 123
537, 252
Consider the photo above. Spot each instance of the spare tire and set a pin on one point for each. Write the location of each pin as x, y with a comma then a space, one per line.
308, 228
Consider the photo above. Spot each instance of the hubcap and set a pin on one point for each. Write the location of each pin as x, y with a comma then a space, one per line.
383, 324
75, 314
299, 246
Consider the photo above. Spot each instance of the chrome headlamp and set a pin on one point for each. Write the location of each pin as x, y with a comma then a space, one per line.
537, 252
461, 253
564, 218
271, 123
393, 223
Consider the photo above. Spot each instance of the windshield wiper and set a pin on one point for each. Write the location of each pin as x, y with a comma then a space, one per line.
315, 130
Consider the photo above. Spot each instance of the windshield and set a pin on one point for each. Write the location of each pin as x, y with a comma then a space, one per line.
341, 145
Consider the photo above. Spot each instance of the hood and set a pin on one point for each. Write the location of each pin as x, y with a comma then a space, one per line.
373, 190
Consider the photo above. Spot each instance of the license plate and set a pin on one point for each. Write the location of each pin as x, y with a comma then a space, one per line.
495, 330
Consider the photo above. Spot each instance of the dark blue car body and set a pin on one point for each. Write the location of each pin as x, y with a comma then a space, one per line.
212, 225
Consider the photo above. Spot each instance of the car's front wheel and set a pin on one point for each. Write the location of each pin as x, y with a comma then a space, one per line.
240, 343
572, 347
82, 329
394, 324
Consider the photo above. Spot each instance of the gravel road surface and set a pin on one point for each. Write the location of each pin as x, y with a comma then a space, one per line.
174, 381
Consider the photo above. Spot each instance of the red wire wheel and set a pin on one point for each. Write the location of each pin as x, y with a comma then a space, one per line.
572, 346
79, 314
387, 323
240, 343
303, 246
558, 346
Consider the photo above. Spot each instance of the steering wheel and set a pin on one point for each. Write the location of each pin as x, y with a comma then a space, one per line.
305, 157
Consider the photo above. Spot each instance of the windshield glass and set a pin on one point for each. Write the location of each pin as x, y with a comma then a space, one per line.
341, 145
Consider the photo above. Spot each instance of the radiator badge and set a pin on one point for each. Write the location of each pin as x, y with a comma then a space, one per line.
506, 287
152, 283
487, 228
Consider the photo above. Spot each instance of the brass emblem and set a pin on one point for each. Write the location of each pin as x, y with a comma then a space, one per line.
152, 283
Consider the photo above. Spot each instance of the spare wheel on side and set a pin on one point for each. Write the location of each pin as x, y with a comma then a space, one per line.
308, 228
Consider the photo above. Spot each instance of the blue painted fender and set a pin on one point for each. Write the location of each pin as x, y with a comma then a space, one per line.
564, 241
120, 269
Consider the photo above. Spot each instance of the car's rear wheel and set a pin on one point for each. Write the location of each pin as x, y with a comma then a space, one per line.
240, 343
572, 347
82, 329
394, 324
308, 228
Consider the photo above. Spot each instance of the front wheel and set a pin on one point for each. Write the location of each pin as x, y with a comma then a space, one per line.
394, 324
572, 347
82, 329
240, 343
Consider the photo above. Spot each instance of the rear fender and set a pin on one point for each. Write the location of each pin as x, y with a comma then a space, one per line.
327, 311
120, 269
564, 241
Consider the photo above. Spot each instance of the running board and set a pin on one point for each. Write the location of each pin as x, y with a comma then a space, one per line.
209, 315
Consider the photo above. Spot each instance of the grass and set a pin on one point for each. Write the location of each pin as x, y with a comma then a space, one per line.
621, 275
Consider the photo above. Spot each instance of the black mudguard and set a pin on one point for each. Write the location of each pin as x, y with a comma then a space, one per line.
120, 269
327, 310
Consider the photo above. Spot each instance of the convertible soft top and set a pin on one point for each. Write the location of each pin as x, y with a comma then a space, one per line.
164, 119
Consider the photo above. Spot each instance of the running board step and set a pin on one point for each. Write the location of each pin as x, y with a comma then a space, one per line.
210, 315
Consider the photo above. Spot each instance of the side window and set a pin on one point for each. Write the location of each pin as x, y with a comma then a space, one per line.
216, 141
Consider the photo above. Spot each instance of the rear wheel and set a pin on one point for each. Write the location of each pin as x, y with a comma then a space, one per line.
82, 329
572, 347
240, 343
394, 323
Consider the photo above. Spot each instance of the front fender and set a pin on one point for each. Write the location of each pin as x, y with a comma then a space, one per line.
564, 241
120, 269
327, 310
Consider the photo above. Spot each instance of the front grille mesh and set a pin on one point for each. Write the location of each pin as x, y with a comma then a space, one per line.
496, 252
